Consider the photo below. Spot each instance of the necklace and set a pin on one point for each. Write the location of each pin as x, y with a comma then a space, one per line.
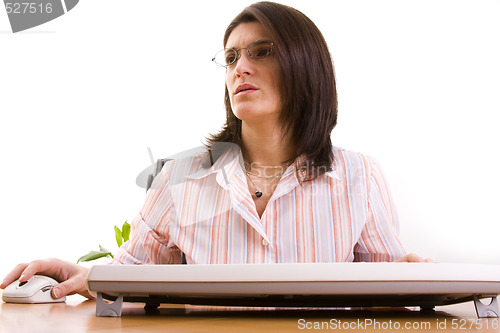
258, 192
259, 176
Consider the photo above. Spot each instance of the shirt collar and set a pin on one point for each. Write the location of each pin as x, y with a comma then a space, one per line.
226, 165
301, 173
333, 174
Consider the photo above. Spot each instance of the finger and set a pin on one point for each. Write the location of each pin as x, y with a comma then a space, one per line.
71, 286
13, 275
412, 257
48, 267
30, 270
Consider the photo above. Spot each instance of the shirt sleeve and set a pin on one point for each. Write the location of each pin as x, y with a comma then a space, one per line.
149, 241
379, 239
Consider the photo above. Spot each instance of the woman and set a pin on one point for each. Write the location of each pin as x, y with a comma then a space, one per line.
277, 191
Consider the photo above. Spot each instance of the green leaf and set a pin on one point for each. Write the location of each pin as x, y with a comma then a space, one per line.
103, 249
125, 231
118, 236
93, 255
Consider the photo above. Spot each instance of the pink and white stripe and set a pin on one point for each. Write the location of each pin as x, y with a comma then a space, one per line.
208, 213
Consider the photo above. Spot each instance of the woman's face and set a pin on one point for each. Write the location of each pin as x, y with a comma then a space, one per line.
252, 84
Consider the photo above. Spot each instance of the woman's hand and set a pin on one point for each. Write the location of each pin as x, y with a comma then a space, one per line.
71, 277
412, 257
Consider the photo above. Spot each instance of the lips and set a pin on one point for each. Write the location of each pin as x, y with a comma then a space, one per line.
244, 88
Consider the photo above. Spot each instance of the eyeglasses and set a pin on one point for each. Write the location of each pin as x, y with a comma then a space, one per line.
256, 50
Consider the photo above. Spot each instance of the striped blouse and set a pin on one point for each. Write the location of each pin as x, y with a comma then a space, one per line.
207, 212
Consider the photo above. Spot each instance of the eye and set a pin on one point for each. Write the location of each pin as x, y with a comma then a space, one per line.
230, 57
263, 51
260, 49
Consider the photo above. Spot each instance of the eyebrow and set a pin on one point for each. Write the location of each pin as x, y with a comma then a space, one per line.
258, 41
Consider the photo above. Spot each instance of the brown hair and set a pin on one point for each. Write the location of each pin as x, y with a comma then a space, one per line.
306, 80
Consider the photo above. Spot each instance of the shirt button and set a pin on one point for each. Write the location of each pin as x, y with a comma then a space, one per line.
265, 243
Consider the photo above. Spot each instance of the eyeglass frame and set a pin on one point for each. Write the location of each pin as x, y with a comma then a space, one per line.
236, 50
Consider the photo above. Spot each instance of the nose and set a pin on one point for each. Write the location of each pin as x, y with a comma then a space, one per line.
244, 65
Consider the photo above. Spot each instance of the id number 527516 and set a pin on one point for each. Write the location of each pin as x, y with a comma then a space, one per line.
474, 324
28, 8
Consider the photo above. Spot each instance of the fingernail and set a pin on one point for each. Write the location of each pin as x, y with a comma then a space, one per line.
21, 277
55, 293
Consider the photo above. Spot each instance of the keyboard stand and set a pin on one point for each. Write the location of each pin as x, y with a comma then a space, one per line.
486, 310
105, 309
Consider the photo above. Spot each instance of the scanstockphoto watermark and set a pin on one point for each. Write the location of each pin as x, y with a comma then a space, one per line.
361, 324
26, 14
369, 324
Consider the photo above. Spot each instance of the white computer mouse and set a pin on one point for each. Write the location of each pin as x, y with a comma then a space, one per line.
35, 290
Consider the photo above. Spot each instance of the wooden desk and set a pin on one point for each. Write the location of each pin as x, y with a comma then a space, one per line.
78, 315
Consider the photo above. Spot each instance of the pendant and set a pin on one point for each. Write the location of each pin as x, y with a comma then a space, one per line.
258, 194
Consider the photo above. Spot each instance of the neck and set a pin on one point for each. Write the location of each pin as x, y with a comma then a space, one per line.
265, 146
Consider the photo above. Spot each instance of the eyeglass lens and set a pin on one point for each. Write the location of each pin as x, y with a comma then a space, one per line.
256, 50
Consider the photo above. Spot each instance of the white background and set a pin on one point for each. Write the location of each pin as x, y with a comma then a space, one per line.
83, 96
